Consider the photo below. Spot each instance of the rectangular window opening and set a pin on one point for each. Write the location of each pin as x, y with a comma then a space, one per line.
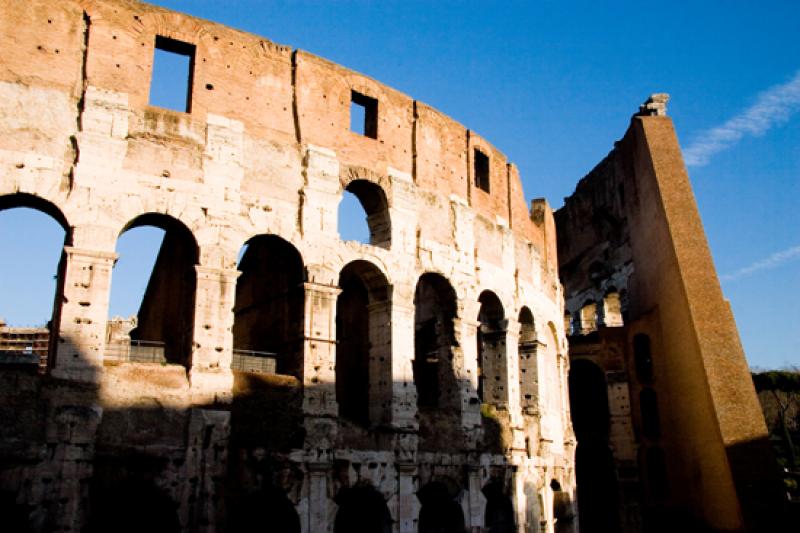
173, 70
363, 115
481, 170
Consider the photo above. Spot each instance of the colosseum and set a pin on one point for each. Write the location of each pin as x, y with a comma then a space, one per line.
279, 378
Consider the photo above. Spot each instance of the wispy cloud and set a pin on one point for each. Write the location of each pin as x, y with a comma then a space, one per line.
778, 258
772, 107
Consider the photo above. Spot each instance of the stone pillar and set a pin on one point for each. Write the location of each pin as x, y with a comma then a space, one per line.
318, 497
320, 196
212, 349
83, 313
404, 392
407, 505
467, 373
380, 362
319, 366
519, 499
477, 502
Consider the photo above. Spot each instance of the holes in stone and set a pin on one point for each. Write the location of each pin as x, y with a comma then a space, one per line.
363, 115
173, 68
481, 170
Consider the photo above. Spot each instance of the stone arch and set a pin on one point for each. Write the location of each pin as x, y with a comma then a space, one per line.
528, 364
164, 326
32, 201
48, 209
269, 307
361, 508
364, 349
499, 512
596, 481
435, 342
375, 204
440, 511
491, 339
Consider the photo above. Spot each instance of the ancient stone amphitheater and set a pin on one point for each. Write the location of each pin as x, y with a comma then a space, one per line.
279, 378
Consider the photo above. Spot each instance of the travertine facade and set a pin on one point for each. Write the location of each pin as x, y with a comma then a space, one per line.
279, 378
420, 381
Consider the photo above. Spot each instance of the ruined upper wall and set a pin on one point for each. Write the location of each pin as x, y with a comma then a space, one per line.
632, 224
278, 94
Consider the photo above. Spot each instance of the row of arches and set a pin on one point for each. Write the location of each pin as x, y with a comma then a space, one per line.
607, 311
359, 508
268, 322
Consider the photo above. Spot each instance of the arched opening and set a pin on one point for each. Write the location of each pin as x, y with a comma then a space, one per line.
31, 279
612, 309
562, 508
440, 511
499, 514
648, 405
528, 365
492, 367
594, 465
438, 395
362, 509
365, 199
269, 307
642, 358
131, 505
267, 509
656, 468
363, 344
162, 329
588, 317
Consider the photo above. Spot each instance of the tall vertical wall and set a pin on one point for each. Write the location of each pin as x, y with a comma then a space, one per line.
632, 226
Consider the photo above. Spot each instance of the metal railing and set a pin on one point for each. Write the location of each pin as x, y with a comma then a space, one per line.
137, 351
254, 361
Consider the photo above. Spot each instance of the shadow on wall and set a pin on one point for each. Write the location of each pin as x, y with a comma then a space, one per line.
71, 461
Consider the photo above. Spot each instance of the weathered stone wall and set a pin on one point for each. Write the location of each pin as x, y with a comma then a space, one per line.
266, 149
634, 258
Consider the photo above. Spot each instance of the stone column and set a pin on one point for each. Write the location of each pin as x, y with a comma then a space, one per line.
468, 374
83, 313
406, 499
380, 362
318, 497
404, 392
477, 502
319, 366
212, 349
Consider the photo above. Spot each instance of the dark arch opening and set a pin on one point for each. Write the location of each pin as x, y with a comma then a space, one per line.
528, 364
131, 506
491, 338
438, 395
642, 358
376, 208
362, 509
269, 308
163, 328
267, 509
499, 514
31, 279
648, 405
440, 512
363, 344
656, 468
594, 465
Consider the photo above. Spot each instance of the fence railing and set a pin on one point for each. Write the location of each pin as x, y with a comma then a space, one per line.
137, 351
254, 361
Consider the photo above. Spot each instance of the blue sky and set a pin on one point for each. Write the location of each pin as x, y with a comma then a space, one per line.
553, 85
